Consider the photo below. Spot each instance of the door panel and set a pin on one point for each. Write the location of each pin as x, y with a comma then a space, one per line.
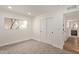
50, 28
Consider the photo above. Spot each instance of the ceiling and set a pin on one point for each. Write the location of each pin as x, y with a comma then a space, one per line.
35, 10
72, 16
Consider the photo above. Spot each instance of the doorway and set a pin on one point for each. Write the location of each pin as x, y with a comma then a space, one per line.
71, 24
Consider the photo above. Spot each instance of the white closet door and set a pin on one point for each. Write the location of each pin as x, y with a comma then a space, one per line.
47, 29
50, 28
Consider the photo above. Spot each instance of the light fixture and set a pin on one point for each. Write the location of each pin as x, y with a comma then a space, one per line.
76, 25
9, 7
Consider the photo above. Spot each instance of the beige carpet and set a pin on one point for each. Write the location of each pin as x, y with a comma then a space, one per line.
31, 46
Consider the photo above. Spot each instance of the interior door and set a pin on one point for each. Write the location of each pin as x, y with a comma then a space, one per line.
47, 29
50, 26
43, 29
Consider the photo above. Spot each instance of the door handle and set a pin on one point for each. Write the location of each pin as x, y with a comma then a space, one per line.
52, 32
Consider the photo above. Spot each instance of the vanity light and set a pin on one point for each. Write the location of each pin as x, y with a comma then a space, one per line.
76, 26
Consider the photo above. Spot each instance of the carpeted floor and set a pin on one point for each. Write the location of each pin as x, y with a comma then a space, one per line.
31, 47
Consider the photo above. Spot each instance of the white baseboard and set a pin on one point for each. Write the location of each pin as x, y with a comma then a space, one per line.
13, 42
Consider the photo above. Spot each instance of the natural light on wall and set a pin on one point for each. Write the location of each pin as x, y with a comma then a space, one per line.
23, 24
11, 24
68, 23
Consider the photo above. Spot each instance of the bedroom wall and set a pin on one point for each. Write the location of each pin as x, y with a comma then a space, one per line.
36, 27
33, 30
12, 36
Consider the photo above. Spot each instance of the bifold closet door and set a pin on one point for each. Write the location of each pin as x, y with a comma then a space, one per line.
47, 29
50, 29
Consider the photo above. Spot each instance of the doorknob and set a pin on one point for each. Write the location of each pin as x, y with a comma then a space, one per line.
52, 32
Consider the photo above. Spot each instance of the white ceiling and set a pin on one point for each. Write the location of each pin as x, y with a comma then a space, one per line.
72, 16
34, 9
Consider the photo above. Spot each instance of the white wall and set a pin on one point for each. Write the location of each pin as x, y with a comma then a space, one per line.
12, 36
36, 27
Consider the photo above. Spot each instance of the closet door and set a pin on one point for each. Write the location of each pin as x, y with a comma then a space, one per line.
47, 29
50, 29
